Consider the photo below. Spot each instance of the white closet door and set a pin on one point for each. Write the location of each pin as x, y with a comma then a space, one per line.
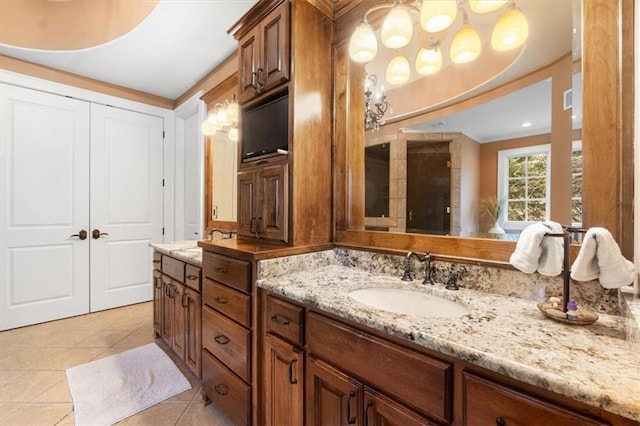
126, 204
44, 201
192, 178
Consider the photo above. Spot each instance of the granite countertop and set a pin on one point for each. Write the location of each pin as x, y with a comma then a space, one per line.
594, 364
187, 251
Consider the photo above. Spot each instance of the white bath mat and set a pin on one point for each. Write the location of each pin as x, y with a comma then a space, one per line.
110, 389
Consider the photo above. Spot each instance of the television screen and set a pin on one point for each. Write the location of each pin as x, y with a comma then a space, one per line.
265, 128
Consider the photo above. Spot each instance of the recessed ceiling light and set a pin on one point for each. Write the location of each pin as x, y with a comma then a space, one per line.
526, 124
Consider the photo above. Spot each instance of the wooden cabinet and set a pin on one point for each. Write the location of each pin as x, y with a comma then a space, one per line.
264, 54
177, 309
283, 383
227, 373
263, 202
487, 402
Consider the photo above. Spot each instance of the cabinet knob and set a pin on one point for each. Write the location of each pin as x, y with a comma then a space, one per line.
500, 421
220, 300
221, 339
220, 390
280, 321
220, 270
192, 277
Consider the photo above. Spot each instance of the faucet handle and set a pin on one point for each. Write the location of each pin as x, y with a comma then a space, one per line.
452, 282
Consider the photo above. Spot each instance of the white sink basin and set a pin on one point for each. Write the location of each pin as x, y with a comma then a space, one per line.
408, 302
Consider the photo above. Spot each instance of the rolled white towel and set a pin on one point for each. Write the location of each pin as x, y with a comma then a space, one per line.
526, 256
600, 257
552, 254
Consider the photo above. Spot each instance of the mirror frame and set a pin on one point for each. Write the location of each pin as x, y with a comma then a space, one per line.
224, 90
607, 116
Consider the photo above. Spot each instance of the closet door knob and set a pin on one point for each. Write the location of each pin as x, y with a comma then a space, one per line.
82, 235
97, 234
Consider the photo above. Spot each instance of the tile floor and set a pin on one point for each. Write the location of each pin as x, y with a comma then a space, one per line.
33, 360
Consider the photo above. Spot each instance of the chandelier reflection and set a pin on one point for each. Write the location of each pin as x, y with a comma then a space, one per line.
375, 103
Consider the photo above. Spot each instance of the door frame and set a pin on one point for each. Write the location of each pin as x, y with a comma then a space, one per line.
168, 116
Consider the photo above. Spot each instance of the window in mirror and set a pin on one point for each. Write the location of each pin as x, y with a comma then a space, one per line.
376, 162
524, 184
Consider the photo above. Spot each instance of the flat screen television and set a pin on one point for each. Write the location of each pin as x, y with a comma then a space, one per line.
265, 128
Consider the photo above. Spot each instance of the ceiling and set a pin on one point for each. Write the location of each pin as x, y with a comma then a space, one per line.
177, 45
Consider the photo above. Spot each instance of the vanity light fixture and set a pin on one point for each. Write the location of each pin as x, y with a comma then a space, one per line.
375, 103
223, 115
434, 17
398, 70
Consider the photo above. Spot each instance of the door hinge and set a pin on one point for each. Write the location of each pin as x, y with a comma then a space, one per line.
163, 230
163, 134
163, 182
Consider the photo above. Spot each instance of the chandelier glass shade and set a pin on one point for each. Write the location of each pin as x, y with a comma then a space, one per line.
224, 117
375, 103
433, 18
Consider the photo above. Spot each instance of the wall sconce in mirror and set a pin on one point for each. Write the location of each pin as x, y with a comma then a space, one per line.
224, 117
375, 103
432, 20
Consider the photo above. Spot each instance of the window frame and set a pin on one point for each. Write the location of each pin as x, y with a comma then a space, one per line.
503, 175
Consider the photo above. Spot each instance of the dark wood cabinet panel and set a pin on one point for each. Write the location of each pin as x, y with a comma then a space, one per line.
179, 319
168, 310
157, 303
192, 305
283, 383
226, 390
232, 303
247, 181
285, 319
490, 403
332, 397
380, 410
228, 341
227, 270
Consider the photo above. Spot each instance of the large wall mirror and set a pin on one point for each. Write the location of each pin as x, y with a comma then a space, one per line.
221, 164
508, 126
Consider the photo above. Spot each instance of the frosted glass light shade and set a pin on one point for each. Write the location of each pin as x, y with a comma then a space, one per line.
485, 6
398, 70
397, 28
232, 112
207, 128
212, 119
511, 31
363, 45
428, 61
437, 15
465, 46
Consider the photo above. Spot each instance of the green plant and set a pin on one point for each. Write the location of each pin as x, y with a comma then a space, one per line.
491, 206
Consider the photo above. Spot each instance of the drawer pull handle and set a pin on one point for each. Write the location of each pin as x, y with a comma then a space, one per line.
192, 277
280, 321
220, 270
221, 339
156, 261
292, 379
220, 390
185, 303
500, 421
158, 283
366, 412
220, 300
351, 420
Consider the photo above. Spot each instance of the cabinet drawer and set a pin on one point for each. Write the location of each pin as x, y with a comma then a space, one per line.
421, 382
173, 267
285, 319
157, 260
192, 277
230, 302
227, 270
228, 341
228, 392
486, 402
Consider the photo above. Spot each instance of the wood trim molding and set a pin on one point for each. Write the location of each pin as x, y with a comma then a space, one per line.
253, 17
217, 93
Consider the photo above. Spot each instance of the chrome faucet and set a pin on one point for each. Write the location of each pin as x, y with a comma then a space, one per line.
406, 266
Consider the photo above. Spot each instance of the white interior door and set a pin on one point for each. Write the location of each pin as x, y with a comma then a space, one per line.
192, 178
126, 204
44, 201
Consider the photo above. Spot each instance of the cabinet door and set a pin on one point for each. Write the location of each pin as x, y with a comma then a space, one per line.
193, 335
487, 402
179, 319
249, 49
168, 310
380, 410
273, 215
246, 203
332, 398
274, 60
157, 303
283, 383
